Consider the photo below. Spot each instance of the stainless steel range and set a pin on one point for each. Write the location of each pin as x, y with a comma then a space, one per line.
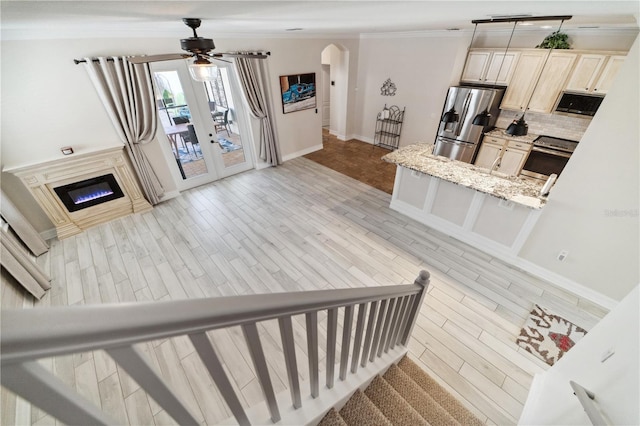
548, 156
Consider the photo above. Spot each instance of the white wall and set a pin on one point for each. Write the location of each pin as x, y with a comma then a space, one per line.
614, 381
593, 209
422, 68
48, 102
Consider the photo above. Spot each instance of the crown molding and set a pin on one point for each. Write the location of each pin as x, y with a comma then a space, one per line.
10, 34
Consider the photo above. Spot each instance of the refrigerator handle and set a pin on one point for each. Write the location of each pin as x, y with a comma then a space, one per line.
463, 114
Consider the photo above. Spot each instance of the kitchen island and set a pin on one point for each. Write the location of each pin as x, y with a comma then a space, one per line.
491, 211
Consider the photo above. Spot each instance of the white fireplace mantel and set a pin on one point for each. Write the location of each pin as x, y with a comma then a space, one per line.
41, 178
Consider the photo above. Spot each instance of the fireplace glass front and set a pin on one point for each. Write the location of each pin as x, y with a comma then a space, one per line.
90, 192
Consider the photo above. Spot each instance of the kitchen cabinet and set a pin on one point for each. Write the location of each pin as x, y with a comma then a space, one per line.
512, 154
513, 158
594, 73
609, 73
490, 149
487, 66
525, 75
584, 76
552, 80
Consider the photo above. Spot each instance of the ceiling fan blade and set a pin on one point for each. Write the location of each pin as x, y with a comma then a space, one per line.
157, 58
246, 55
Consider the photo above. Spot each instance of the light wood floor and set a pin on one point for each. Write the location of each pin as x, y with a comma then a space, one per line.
299, 226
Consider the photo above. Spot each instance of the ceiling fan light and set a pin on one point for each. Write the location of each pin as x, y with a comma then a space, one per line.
201, 71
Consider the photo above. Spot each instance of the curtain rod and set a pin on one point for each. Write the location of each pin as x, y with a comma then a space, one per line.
80, 61
258, 52
522, 19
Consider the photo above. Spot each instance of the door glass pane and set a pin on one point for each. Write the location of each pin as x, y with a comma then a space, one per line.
175, 117
223, 113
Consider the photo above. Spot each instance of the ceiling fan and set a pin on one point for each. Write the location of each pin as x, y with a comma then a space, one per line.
199, 48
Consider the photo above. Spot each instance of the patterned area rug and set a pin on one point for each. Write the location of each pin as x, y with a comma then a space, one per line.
548, 336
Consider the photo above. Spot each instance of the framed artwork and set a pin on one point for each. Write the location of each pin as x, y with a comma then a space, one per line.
298, 92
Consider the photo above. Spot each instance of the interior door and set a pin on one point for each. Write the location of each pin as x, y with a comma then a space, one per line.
326, 95
201, 144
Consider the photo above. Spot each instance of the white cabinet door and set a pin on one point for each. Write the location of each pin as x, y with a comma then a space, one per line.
476, 66
608, 74
524, 79
487, 66
499, 71
512, 161
552, 80
584, 76
487, 155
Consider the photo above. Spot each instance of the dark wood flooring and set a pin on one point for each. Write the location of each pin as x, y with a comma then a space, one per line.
356, 159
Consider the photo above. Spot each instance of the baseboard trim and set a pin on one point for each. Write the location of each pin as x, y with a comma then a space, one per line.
364, 139
49, 234
302, 152
169, 195
338, 135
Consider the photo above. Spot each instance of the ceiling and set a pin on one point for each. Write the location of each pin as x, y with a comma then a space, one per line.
28, 19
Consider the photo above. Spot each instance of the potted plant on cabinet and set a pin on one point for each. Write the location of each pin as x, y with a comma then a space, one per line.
555, 40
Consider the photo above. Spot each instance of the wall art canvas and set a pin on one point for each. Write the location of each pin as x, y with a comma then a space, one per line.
298, 92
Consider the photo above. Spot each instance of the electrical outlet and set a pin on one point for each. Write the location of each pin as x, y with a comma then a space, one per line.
563, 255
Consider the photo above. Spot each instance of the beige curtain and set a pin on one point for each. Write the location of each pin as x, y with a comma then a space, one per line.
126, 90
251, 79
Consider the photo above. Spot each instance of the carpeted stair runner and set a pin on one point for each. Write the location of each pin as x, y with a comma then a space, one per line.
405, 395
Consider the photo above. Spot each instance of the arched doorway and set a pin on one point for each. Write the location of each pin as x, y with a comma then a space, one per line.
335, 89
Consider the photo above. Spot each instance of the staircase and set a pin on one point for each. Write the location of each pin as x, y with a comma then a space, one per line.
404, 395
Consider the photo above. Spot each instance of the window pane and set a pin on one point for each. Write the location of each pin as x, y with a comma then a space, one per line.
223, 113
175, 116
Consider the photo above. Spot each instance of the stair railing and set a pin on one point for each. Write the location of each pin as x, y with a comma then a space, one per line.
586, 398
28, 335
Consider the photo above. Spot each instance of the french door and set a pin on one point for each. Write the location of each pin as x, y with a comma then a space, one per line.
200, 125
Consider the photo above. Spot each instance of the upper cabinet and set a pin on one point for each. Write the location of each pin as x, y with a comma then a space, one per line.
537, 77
524, 78
594, 73
552, 80
609, 73
489, 66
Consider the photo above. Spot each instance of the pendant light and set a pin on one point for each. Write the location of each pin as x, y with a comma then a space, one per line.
520, 127
450, 116
484, 117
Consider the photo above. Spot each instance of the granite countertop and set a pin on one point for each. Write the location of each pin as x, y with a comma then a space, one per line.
500, 133
419, 157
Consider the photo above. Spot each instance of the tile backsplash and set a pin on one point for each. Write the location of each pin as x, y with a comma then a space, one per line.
561, 126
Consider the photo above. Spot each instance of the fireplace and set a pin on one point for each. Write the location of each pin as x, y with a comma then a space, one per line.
90, 192
84, 189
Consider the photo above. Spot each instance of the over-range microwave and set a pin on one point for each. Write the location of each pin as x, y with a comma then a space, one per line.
578, 103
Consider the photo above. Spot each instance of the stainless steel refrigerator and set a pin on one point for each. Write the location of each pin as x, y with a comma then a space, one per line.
459, 139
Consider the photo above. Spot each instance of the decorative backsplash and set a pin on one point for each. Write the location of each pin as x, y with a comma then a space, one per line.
560, 126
